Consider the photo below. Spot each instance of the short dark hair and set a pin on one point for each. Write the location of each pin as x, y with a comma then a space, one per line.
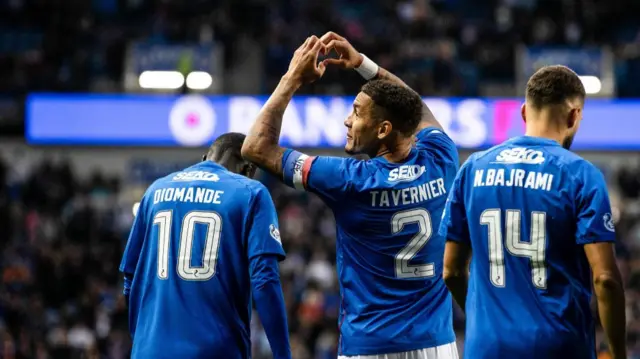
553, 85
400, 105
228, 142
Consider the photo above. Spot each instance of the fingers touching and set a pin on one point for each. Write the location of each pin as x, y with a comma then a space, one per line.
313, 46
334, 62
329, 36
325, 44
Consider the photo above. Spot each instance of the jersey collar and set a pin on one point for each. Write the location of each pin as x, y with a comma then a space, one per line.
409, 157
533, 141
208, 164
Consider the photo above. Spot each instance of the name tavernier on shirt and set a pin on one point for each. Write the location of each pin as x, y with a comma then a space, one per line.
410, 195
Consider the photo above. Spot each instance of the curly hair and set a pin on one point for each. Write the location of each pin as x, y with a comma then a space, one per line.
398, 104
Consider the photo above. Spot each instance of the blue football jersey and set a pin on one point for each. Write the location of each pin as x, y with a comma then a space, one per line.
526, 208
189, 252
389, 253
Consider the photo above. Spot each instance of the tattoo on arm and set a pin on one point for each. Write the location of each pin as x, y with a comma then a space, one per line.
388, 76
273, 154
428, 119
261, 145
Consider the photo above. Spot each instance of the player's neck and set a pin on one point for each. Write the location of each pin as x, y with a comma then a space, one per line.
541, 131
397, 153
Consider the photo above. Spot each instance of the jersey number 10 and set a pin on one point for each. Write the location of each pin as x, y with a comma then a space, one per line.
186, 271
534, 249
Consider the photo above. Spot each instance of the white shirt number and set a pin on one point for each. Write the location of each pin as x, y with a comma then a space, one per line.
185, 270
422, 218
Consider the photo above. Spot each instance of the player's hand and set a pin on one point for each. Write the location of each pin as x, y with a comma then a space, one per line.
348, 56
304, 67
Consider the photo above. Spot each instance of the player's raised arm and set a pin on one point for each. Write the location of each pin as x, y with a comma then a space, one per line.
261, 146
264, 249
457, 253
350, 58
595, 230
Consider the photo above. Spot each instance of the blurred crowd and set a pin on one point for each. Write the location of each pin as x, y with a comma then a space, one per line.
60, 250
60, 295
441, 47
63, 237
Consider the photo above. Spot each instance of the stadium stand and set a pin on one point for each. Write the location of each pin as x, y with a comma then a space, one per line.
63, 234
442, 47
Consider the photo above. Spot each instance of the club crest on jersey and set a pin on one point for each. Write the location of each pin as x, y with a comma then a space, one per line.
520, 155
406, 173
297, 167
275, 233
608, 222
301, 170
196, 176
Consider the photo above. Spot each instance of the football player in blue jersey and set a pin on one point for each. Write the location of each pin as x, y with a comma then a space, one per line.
205, 240
387, 209
538, 220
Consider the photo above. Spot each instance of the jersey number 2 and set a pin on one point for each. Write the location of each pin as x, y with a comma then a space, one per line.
186, 271
422, 218
534, 249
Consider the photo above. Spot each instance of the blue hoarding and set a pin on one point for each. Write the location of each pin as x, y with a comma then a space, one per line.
146, 120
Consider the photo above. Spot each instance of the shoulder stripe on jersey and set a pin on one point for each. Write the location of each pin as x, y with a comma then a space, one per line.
306, 169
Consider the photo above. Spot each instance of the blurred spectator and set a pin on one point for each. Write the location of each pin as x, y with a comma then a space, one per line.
61, 293
63, 236
443, 47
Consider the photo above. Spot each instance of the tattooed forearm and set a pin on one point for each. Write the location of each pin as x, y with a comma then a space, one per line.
386, 75
268, 132
428, 119
261, 145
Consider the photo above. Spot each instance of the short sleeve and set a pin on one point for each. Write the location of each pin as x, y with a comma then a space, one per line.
324, 175
435, 141
594, 218
138, 231
454, 225
263, 229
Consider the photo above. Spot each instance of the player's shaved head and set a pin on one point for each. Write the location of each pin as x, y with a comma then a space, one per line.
225, 150
397, 104
554, 85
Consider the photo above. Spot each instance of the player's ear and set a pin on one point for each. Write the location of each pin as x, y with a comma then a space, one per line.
523, 112
384, 129
574, 117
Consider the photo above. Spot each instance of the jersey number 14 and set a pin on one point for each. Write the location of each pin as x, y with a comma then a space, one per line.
534, 249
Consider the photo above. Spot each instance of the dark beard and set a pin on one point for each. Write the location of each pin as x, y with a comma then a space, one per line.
351, 152
567, 142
